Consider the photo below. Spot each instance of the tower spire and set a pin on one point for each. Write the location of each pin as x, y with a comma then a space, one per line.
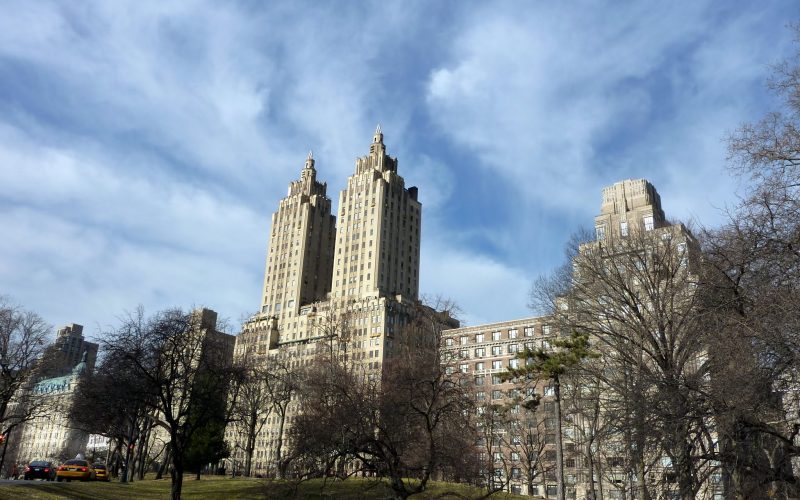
378, 137
310, 160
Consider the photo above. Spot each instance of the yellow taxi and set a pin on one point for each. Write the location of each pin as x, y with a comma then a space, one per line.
75, 469
100, 472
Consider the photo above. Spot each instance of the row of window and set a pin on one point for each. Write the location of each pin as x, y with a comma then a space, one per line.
512, 333
647, 223
499, 350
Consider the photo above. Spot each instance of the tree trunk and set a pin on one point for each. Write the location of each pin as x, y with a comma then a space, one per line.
560, 492
141, 454
5, 447
685, 476
177, 475
590, 459
281, 472
251, 444
641, 483
123, 477
600, 482
165, 463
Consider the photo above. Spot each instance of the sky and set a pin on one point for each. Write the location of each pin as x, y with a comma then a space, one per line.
144, 145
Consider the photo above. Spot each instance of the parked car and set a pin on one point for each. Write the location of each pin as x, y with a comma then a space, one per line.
75, 469
39, 469
100, 472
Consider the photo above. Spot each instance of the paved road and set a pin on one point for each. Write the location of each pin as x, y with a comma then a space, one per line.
21, 481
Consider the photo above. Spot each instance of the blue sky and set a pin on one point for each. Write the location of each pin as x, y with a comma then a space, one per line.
144, 145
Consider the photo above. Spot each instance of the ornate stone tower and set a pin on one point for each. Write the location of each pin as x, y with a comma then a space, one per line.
299, 258
629, 205
378, 238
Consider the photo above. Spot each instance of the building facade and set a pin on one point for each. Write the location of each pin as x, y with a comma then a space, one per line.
355, 277
50, 435
516, 446
632, 285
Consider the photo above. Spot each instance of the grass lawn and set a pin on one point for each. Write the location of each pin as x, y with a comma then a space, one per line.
226, 489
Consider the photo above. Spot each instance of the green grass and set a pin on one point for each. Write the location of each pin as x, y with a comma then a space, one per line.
226, 489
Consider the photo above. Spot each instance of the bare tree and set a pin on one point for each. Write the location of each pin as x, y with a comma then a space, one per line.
252, 408
752, 273
114, 403
181, 364
637, 299
409, 423
23, 338
529, 426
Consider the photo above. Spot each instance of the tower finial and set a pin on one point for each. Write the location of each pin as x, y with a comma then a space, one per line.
378, 137
378, 129
310, 160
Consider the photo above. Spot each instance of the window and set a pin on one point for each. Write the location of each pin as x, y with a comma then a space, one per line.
496, 365
479, 338
623, 227
648, 222
496, 335
480, 396
600, 231
496, 380
515, 456
464, 340
479, 367
529, 331
513, 348
464, 353
549, 391
448, 342
480, 380
480, 352
463, 368
512, 334
513, 363
546, 330
497, 350
496, 394
515, 472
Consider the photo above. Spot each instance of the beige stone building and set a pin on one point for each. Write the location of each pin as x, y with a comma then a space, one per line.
357, 280
50, 434
67, 351
629, 206
517, 445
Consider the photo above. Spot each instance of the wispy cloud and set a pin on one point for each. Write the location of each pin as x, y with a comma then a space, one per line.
143, 145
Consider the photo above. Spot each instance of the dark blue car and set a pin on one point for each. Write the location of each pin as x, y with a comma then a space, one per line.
39, 469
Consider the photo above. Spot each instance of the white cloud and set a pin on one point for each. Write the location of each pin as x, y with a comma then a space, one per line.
144, 145
485, 289
537, 93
